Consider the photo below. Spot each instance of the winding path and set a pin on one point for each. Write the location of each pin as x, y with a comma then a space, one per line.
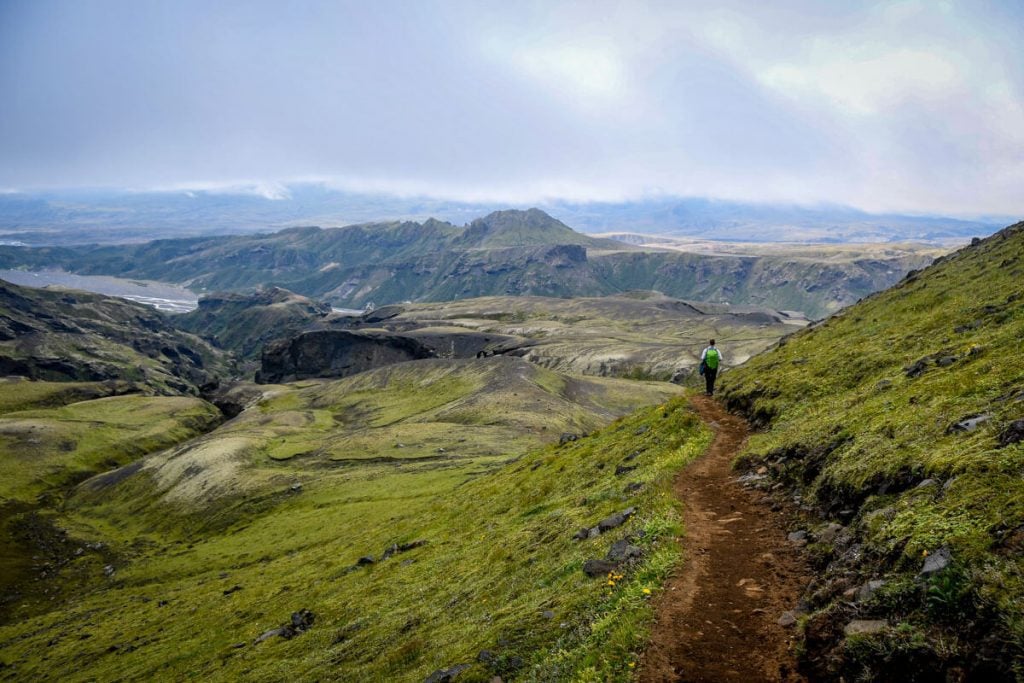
717, 619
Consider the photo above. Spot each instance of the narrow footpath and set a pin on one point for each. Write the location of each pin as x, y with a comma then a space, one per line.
718, 618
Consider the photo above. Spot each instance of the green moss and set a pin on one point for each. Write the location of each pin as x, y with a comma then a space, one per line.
49, 448
499, 555
855, 429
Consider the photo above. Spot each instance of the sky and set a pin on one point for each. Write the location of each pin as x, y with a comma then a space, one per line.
913, 106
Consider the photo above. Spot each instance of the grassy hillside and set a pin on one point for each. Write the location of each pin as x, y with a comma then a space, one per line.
900, 420
215, 543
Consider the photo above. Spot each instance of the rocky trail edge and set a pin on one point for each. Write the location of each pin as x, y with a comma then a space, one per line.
718, 619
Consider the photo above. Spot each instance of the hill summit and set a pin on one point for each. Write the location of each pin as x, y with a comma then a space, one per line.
530, 228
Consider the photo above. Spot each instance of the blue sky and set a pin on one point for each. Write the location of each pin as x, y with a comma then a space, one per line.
910, 106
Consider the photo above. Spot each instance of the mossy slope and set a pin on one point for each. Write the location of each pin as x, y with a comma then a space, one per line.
862, 413
198, 579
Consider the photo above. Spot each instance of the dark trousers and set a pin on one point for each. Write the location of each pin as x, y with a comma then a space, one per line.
709, 379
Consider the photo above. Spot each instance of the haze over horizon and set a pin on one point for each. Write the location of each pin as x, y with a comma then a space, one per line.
904, 106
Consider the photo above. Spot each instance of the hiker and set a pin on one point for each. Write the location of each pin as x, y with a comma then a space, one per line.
710, 360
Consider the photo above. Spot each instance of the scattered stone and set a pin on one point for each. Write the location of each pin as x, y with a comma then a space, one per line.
631, 456
567, 438
233, 589
581, 535
968, 424
109, 570
618, 519
763, 469
389, 551
596, 568
883, 384
593, 532
787, 619
365, 560
623, 469
917, 368
536, 466
865, 627
411, 545
797, 537
643, 429
1011, 434
976, 350
936, 562
441, 450
866, 591
548, 614
946, 361
268, 634
829, 533
486, 657
446, 675
623, 550
926, 483
633, 487
238, 646
295, 488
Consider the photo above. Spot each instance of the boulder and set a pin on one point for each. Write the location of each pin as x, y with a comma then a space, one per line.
797, 537
968, 424
446, 675
1011, 434
615, 520
622, 550
865, 627
829, 532
936, 562
867, 590
596, 568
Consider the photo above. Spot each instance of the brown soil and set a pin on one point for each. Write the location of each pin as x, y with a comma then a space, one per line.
717, 619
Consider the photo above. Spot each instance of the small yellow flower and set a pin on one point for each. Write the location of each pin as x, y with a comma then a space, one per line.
632, 664
610, 582
647, 591
924, 553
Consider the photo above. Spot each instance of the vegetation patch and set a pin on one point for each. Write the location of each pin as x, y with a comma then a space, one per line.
377, 571
895, 419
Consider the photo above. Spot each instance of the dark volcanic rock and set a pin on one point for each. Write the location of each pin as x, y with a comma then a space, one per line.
335, 353
446, 675
615, 520
1012, 433
596, 568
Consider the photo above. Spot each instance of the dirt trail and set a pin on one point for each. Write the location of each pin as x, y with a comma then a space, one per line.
717, 620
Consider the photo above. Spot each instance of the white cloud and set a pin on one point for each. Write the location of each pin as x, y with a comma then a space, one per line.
868, 80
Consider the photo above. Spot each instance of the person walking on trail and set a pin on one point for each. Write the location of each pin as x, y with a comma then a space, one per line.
710, 361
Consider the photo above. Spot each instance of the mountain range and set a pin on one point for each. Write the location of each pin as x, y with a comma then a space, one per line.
509, 252
111, 216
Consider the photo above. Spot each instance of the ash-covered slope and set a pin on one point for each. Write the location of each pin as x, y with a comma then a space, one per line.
899, 424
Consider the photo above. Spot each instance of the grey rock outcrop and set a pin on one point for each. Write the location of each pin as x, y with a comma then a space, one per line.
335, 353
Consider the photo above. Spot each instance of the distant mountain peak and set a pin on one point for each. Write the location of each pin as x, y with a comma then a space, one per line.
521, 228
